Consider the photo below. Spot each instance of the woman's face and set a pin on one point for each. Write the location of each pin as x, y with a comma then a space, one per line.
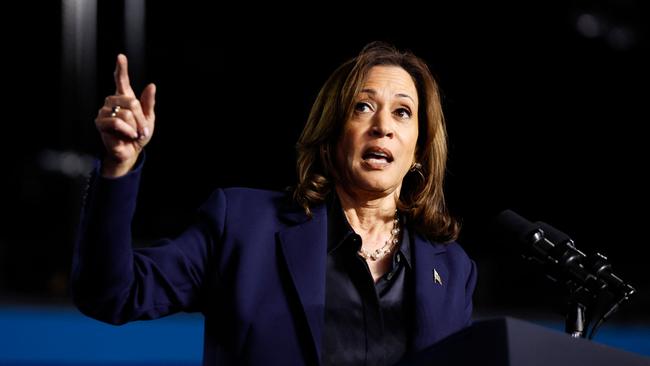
377, 146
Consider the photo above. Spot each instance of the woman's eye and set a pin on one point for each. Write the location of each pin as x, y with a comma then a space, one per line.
362, 107
403, 113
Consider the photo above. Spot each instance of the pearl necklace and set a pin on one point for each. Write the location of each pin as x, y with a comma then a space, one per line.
387, 248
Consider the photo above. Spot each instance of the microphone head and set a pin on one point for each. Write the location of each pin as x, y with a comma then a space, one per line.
513, 227
563, 246
553, 234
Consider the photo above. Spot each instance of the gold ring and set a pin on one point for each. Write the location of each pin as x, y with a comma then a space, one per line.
114, 110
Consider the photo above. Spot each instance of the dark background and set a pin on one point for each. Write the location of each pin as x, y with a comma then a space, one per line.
546, 115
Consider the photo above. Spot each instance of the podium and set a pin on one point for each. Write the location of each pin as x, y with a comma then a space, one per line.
509, 341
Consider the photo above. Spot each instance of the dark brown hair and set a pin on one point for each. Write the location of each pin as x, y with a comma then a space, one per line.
421, 198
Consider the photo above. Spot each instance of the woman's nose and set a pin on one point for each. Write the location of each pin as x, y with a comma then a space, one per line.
381, 125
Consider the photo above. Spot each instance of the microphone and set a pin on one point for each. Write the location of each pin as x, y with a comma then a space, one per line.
589, 279
555, 250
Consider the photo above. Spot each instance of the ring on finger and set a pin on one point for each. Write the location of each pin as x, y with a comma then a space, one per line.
114, 110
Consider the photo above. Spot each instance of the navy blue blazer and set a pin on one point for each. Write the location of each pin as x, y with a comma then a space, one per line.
253, 264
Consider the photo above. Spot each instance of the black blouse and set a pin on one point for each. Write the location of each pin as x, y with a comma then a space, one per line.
365, 322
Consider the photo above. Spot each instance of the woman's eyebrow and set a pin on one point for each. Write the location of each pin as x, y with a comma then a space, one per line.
405, 96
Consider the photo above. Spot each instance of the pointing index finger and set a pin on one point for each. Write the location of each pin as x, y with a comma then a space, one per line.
122, 82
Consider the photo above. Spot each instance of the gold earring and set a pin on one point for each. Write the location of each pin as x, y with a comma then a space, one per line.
417, 167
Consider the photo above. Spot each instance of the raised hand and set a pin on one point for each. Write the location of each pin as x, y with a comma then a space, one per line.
126, 124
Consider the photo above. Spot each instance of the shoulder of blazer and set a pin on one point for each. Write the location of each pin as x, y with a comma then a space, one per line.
456, 254
250, 202
452, 250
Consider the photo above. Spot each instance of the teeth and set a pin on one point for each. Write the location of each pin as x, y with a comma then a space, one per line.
377, 160
377, 155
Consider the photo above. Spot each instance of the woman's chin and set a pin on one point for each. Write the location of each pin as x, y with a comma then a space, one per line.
375, 186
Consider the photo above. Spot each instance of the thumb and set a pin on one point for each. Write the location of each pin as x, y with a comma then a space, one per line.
148, 100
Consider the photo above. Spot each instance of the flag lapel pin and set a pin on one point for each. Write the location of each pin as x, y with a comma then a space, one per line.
436, 277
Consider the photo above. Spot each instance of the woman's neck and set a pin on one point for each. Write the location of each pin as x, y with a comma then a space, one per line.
368, 216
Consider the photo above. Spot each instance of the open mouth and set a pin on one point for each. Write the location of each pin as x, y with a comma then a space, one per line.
377, 157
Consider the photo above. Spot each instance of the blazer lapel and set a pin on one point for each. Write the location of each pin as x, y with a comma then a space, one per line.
304, 247
429, 281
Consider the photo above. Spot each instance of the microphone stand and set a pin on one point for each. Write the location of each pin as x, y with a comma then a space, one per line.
594, 292
593, 295
575, 319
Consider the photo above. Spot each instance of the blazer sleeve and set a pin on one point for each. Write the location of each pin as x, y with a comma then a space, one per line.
114, 283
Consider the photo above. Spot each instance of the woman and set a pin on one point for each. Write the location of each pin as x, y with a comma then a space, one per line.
357, 266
